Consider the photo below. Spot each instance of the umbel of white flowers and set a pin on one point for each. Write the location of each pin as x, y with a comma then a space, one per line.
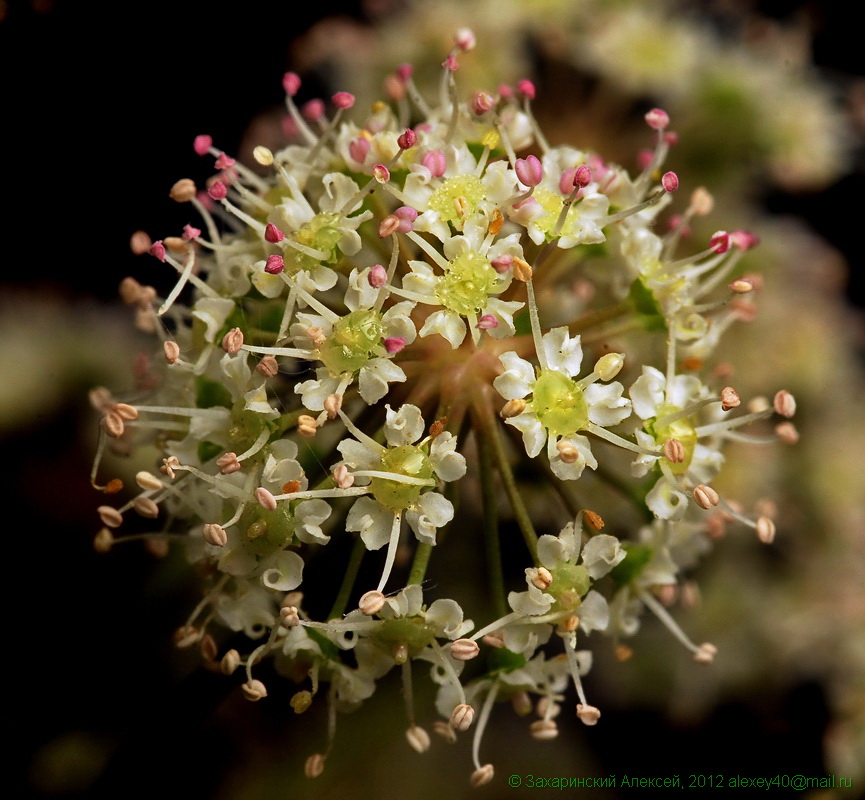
371, 300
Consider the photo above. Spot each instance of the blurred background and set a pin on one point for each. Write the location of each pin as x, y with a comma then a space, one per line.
100, 110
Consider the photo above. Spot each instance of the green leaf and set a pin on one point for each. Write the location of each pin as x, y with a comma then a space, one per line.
647, 308
638, 555
210, 393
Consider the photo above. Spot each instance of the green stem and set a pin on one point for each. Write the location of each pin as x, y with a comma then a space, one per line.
348, 579
521, 514
595, 318
420, 563
490, 525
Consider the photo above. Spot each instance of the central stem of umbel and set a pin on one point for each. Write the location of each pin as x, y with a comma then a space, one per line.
431, 303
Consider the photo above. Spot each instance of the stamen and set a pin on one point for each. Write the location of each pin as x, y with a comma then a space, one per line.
486, 709
391, 551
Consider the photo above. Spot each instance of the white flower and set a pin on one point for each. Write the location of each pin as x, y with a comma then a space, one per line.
560, 407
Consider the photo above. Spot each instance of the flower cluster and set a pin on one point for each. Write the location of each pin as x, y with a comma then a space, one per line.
404, 268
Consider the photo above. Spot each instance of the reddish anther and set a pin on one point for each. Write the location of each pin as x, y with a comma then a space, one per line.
393, 344
273, 234
274, 265
529, 170
224, 161
291, 83
343, 100
405, 71
313, 110
487, 322
657, 119
407, 139
358, 149
502, 264
526, 88
670, 181
218, 190
482, 102
190, 233
720, 242
435, 162
377, 276
202, 144
157, 250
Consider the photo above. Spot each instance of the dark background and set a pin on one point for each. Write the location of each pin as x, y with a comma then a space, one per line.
99, 112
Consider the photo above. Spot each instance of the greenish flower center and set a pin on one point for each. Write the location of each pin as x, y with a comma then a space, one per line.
552, 205
352, 341
466, 286
409, 460
559, 403
680, 429
268, 532
570, 582
320, 233
467, 187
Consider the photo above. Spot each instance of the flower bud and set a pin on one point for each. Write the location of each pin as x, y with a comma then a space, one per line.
444, 730
268, 367
544, 730
232, 341
371, 603
784, 404
464, 649
145, 507
705, 653
610, 365
183, 191
462, 717
705, 496
418, 738
110, 516
657, 119
254, 690
589, 715
230, 662
765, 530
729, 398
215, 534
314, 765
482, 776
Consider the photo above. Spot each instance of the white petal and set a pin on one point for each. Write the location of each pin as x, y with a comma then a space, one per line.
397, 322
372, 521
313, 393
404, 426
504, 312
517, 380
534, 434
431, 512
446, 618
607, 407
269, 285
530, 603
647, 392
594, 613
551, 551
447, 463
213, 312
283, 571
309, 515
374, 378
601, 553
564, 354
572, 471
358, 455
665, 502
448, 325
